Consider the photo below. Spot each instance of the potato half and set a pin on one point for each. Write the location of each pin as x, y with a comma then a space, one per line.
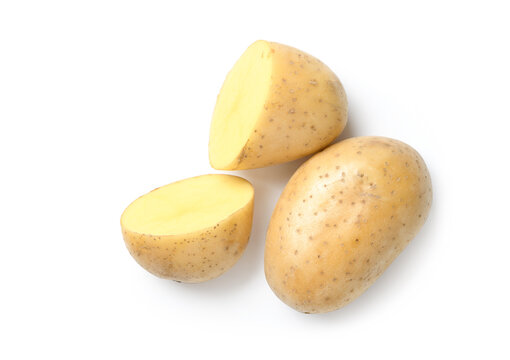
277, 104
191, 230
344, 216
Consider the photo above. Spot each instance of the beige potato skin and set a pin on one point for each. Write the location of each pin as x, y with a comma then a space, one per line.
344, 216
306, 109
197, 256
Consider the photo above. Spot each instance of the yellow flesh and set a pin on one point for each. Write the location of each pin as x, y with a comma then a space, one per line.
188, 205
240, 103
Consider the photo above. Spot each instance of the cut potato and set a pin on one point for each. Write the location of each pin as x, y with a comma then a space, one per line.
344, 216
191, 230
277, 104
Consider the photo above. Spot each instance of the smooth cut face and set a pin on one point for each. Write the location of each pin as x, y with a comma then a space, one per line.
242, 96
277, 104
188, 205
191, 230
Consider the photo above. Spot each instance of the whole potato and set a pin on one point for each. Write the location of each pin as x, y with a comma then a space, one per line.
192, 230
344, 216
277, 104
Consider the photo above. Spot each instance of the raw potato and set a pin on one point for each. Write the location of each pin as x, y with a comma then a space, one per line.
277, 104
191, 230
344, 216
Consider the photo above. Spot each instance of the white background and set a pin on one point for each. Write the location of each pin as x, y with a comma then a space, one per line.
102, 101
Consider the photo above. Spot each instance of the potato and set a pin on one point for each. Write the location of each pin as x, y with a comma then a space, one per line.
191, 230
277, 104
344, 216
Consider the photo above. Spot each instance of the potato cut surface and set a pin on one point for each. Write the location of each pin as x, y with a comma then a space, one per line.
188, 205
240, 102
277, 104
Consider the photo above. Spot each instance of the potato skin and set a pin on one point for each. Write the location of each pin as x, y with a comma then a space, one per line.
194, 257
344, 216
306, 109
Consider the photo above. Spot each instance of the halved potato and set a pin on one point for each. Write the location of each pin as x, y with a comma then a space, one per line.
191, 230
277, 104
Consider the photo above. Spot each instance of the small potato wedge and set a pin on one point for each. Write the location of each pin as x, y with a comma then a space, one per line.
277, 104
